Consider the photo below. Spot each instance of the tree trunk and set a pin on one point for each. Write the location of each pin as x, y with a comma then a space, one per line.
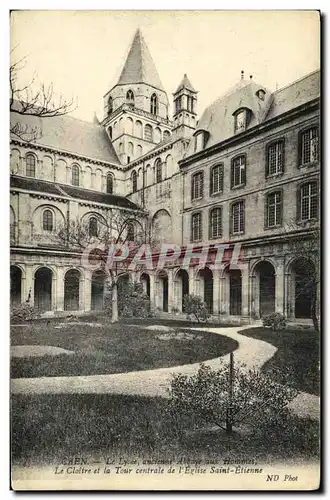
114, 303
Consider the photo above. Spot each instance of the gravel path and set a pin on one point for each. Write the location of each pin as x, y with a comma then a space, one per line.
252, 352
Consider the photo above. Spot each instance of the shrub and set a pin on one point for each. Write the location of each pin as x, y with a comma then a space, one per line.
276, 321
132, 300
23, 312
195, 306
253, 399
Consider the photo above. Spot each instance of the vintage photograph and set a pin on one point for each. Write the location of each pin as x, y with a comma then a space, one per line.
165, 209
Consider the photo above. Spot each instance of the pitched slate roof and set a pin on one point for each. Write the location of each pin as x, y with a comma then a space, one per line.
185, 83
218, 119
70, 134
139, 66
47, 187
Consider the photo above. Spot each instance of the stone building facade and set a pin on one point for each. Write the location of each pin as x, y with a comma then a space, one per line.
245, 173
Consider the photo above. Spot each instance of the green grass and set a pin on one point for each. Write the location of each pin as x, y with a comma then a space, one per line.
111, 349
47, 428
298, 354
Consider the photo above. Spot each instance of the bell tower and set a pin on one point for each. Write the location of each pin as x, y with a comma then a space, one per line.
136, 108
184, 116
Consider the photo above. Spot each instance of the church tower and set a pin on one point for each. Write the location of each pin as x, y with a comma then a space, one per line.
184, 115
136, 108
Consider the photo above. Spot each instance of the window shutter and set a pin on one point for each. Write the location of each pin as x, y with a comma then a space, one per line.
221, 173
298, 194
266, 212
211, 180
283, 156
200, 226
210, 224
192, 188
202, 185
244, 171
281, 208
299, 156
267, 162
231, 220
192, 228
232, 174
243, 217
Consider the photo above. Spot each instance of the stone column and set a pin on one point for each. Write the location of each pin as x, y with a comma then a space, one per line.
28, 288
222, 295
171, 302
192, 287
245, 290
254, 306
279, 288
58, 298
87, 290
68, 174
216, 291
93, 176
152, 291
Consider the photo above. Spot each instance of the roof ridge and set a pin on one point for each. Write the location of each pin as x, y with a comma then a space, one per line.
296, 81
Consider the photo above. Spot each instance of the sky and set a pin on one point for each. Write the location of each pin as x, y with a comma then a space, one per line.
82, 52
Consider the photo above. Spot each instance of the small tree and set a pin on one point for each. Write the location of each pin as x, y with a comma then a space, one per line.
229, 396
195, 306
115, 229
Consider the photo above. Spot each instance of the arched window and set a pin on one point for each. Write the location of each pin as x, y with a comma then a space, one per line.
30, 165
134, 181
130, 97
129, 126
110, 105
92, 227
138, 129
47, 220
166, 135
154, 104
308, 201
109, 183
215, 223
130, 149
148, 132
159, 172
75, 175
139, 150
110, 132
130, 232
157, 135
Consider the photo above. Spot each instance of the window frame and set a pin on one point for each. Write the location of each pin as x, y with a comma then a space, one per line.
238, 112
158, 171
28, 166
300, 146
92, 220
109, 177
193, 179
130, 97
200, 228
154, 104
232, 171
134, 181
280, 140
211, 234
241, 231
48, 225
75, 168
300, 204
279, 222
220, 181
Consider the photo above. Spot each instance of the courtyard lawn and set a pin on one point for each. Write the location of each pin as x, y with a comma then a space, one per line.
105, 349
46, 428
298, 354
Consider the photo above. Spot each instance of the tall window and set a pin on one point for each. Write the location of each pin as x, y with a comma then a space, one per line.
196, 227
240, 121
274, 209
159, 173
216, 181
109, 183
309, 146
166, 135
190, 103
238, 174
47, 220
110, 105
75, 175
130, 97
30, 165
237, 217
177, 103
215, 223
92, 226
130, 232
134, 181
197, 186
154, 104
308, 201
275, 158
148, 132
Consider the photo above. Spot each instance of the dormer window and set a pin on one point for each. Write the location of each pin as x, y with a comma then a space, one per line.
200, 140
240, 120
261, 94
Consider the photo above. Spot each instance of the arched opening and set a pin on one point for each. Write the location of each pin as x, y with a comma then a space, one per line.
98, 289
206, 287
145, 280
162, 292
157, 135
154, 104
109, 183
110, 105
166, 135
182, 287
161, 226
43, 280
130, 97
232, 299
15, 285
92, 227
71, 290
265, 274
303, 287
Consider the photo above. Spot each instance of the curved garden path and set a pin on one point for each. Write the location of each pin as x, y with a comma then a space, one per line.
254, 353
